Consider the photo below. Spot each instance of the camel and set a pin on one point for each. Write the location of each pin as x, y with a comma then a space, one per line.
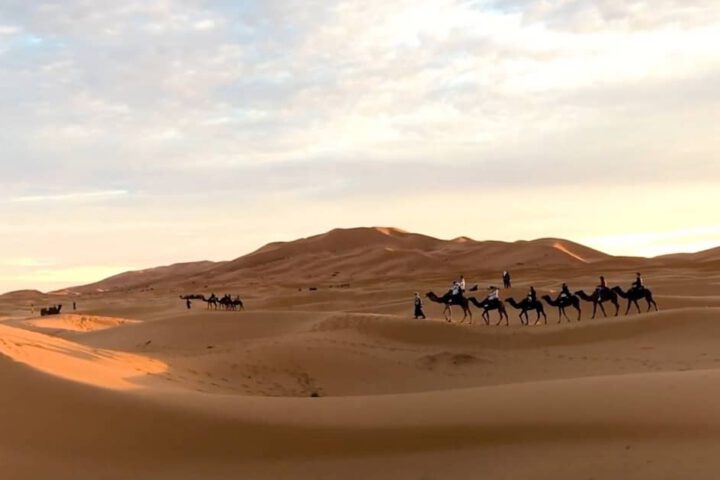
491, 305
230, 304
212, 302
450, 301
597, 300
633, 295
562, 303
54, 310
191, 297
525, 306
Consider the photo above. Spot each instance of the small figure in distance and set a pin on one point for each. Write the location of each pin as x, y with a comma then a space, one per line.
493, 296
419, 307
188, 303
532, 296
506, 279
638, 284
565, 292
454, 290
74, 306
600, 289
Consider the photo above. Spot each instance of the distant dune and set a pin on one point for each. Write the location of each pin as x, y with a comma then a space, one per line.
357, 254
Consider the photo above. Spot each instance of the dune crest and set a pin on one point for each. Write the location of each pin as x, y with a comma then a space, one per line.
79, 323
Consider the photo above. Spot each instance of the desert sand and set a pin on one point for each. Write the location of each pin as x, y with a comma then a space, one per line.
342, 382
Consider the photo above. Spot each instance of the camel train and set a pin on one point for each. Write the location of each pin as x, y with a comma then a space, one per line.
455, 298
54, 310
215, 303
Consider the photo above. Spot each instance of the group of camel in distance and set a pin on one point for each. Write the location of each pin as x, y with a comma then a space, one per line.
215, 303
597, 298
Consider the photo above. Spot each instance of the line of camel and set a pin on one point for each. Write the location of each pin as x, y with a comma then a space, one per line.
597, 298
215, 303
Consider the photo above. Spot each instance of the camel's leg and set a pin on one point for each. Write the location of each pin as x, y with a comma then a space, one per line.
637, 306
594, 309
602, 309
579, 313
651, 301
628, 307
486, 317
617, 307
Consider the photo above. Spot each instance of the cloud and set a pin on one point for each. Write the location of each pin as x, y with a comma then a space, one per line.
224, 106
71, 197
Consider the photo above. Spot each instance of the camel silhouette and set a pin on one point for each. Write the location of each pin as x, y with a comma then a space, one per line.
489, 306
212, 302
633, 295
598, 299
54, 310
525, 305
229, 304
449, 301
562, 304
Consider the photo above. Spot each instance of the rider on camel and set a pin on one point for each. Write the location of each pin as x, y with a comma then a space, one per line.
493, 296
461, 283
602, 288
638, 284
532, 296
565, 292
454, 290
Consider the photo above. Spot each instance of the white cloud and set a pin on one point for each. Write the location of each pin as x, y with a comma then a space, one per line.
224, 106
70, 197
9, 30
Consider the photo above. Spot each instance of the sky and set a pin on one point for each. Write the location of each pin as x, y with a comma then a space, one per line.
136, 134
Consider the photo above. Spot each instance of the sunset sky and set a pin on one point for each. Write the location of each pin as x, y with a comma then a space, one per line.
137, 133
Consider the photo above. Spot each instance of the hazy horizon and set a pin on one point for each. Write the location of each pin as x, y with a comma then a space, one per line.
138, 135
60, 285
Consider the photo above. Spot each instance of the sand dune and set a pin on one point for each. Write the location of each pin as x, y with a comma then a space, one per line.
344, 256
134, 385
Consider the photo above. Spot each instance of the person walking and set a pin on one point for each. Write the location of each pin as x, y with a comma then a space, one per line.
419, 307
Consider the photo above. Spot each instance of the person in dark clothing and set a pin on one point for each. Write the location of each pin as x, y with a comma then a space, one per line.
638, 284
564, 292
506, 279
532, 296
74, 306
419, 307
602, 288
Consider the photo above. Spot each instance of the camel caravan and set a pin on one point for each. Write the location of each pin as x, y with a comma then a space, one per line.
602, 295
214, 302
54, 310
